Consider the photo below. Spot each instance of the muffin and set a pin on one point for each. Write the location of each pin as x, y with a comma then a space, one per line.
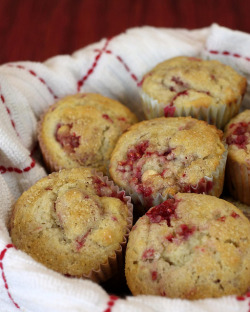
162, 156
188, 86
243, 207
81, 130
192, 246
237, 135
73, 221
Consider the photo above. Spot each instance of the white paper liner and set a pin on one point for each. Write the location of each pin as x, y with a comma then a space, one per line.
238, 180
216, 178
216, 115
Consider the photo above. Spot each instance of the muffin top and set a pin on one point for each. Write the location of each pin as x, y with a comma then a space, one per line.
71, 221
167, 155
237, 135
193, 82
191, 246
82, 130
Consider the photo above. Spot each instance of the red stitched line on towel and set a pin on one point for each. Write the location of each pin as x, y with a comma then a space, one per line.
125, 65
18, 170
2, 254
245, 297
9, 112
31, 72
81, 82
111, 303
227, 53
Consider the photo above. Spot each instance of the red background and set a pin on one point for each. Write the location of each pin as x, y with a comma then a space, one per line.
38, 29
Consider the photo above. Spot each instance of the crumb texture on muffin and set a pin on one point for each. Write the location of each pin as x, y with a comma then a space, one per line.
71, 221
82, 130
237, 135
191, 246
188, 82
169, 155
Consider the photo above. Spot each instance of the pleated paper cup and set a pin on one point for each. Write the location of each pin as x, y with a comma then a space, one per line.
238, 180
217, 115
115, 262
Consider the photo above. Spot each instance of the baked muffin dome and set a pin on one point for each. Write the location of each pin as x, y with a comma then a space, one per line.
74, 221
82, 130
191, 246
237, 135
163, 156
188, 86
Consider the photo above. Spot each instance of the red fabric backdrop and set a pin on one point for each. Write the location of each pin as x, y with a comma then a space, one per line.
38, 29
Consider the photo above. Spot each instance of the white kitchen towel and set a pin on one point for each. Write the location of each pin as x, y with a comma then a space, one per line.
113, 67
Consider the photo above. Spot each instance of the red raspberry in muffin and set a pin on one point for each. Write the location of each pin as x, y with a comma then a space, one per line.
75, 222
166, 156
237, 135
187, 86
82, 130
191, 246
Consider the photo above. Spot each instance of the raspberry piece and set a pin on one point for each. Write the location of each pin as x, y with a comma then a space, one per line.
186, 231
69, 141
238, 136
106, 116
163, 211
154, 276
148, 254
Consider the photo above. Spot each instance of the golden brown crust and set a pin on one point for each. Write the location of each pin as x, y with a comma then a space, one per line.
82, 130
237, 136
207, 87
167, 155
200, 250
217, 83
71, 221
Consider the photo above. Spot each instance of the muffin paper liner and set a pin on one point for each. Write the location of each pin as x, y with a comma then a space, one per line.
216, 178
238, 180
115, 262
217, 115
49, 163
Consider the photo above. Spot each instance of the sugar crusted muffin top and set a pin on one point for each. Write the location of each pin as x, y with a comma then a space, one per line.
237, 135
167, 155
192, 246
71, 221
193, 81
82, 130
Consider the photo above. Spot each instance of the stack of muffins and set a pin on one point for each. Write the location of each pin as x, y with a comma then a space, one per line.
187, 243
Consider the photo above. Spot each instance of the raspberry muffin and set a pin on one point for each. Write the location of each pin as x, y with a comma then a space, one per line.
75, 222
237, 135
188, 86
162, 156
192, 246
82, 130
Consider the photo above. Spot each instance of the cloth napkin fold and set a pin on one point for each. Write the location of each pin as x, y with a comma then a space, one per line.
113, 67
